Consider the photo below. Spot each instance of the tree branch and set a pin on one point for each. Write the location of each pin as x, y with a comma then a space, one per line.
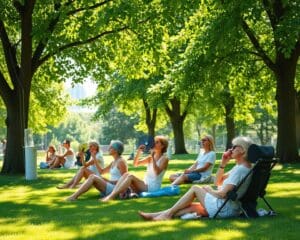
42, 44
5, 90
267, 7
255, 43
168, 110
9, 53
79, 43
187, 106
18, 6
88, 7
50, 29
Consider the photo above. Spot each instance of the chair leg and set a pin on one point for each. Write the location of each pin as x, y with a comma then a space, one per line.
266, 202
245, 212
220, 208
249, 209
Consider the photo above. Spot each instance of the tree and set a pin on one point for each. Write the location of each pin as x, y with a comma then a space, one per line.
148, 51
266, 32
117, 125
43, 36
278, 46
265, 125
283, 17
130, 95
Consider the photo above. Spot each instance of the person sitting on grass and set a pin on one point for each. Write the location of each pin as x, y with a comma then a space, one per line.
209, 199
116, 168
50, 157
88, 167
203, 166
83, 154
65, 160
157, 163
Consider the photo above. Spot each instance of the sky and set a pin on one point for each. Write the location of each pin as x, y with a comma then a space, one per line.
79, 91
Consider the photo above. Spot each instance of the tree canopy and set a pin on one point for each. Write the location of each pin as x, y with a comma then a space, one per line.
232, 53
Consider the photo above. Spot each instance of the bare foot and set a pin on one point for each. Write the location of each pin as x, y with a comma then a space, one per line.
148, 216
62, 186
162, 217
71, 199
105, 199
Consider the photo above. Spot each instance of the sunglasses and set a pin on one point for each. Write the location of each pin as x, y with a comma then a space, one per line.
235, 146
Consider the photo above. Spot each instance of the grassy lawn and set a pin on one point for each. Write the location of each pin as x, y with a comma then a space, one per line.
37, 210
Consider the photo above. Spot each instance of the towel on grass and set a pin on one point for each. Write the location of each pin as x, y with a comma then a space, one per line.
165, 191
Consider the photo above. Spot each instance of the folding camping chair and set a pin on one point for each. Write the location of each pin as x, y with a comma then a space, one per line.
264, 161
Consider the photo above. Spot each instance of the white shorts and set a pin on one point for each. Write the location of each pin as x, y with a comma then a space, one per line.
69, 164
212, 204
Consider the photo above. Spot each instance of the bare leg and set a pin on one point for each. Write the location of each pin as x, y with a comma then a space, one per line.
123, 183
194, 207
58, 162
180, 180
84, 172
173, 177
184, 202
93, 180
149, 216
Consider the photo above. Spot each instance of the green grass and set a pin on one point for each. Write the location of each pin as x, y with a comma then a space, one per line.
37, 210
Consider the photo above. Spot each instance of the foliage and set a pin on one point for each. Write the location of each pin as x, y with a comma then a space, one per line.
118, 126
265, 125
48, 104
77, 127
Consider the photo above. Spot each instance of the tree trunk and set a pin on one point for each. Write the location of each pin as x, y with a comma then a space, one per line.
150, 118
177, 121
229, 120
213, 132
14, 158
298, 119
178, 136
198, 129
285, 96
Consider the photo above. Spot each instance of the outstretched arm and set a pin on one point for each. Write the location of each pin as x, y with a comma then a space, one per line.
137, 161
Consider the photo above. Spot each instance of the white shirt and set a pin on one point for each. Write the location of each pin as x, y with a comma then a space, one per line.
99, 158
202, 159
151, 179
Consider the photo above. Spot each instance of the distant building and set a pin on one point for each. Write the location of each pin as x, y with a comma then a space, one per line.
81, 91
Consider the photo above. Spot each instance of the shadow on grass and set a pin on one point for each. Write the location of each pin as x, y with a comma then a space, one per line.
39, 203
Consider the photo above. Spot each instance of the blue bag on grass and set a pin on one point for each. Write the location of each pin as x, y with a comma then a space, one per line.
165, 191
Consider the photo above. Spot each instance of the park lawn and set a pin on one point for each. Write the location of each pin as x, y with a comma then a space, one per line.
37, 210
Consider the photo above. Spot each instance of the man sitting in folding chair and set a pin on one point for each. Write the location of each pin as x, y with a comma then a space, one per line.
209, 199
